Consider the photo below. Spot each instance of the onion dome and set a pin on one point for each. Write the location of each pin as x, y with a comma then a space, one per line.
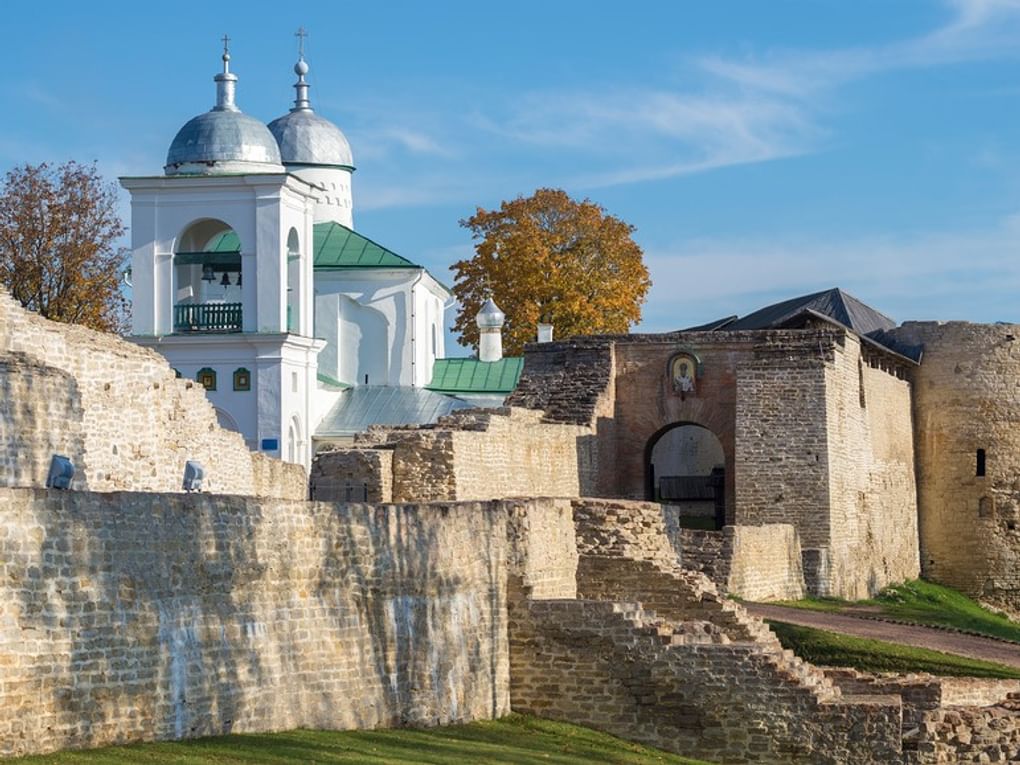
489, 316
223, 140
304, 137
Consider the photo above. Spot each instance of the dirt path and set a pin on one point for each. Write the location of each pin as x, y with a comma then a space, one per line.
920, 637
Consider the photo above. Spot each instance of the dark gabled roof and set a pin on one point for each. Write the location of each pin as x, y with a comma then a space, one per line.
835, 304
455, 376
712, 326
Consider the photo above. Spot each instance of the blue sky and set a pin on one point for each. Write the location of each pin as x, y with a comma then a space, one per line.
762, 149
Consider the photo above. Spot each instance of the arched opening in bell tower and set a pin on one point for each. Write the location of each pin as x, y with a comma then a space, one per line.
293, 281
686, 471
207, 278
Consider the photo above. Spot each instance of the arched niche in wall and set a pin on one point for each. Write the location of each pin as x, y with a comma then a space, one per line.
226, 420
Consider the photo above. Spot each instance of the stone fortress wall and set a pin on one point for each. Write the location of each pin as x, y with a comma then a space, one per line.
470, 454
132, 617
118, 412
966, 399
815, 426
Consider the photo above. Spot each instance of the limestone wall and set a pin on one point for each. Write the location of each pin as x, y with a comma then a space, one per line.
137, 617
966, 398
782, 456
872, 491
473, 454
353, 475
117, 411
653, 653
750, 562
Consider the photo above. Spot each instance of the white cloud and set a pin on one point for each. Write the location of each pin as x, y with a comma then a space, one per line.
900, 275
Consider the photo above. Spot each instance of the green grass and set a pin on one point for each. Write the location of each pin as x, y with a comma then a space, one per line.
831, 649
921, 602
515, 740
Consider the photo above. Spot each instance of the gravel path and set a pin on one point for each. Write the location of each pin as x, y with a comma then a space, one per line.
920, 637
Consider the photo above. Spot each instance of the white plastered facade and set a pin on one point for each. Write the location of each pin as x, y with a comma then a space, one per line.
275, 343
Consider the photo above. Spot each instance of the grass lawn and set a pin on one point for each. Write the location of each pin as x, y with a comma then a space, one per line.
831, 649
516, 739
922, 602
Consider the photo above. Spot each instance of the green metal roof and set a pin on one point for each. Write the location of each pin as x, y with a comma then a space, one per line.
337, 246
332, 382
225, 242
334, 246
474, 376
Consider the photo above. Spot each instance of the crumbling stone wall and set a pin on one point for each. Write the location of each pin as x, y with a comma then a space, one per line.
653, 653
352, 475
127, 617
966, 398
118, 412
750, 562
472, 454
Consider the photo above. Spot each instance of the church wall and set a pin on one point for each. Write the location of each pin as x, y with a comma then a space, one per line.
872, 490
965, 399
129, 423
130, 617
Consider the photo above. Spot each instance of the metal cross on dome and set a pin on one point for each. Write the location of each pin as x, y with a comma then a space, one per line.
226, 44
301, 34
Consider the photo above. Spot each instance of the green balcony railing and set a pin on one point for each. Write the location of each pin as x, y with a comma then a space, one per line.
207, 317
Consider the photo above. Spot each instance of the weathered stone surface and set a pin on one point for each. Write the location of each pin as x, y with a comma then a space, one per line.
118, 412
751, 562
966, 398
127, 617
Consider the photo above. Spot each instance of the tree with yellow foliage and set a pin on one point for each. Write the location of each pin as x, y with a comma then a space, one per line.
552, 260
59, 249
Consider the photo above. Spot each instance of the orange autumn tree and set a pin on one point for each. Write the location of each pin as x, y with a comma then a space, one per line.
550, 259
59, 253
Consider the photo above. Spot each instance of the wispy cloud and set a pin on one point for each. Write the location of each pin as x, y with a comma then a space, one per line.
975, 30
903, 275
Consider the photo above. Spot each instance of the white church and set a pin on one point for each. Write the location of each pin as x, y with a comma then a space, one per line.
248, 276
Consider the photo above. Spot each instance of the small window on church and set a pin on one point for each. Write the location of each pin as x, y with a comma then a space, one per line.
980, 463
207, 378
242, 379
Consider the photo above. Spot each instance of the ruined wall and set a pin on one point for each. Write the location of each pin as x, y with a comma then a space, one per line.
652, 653
751, 562
872, 490
117, 411
352, 475
473, 454
574, 382
129, 617
966, 398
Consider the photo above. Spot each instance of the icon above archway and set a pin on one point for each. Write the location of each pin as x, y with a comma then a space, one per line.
684, 370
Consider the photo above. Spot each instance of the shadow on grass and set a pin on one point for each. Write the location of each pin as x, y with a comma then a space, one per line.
514, 740
834, 650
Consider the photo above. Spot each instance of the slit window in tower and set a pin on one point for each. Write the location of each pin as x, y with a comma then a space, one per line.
980, 463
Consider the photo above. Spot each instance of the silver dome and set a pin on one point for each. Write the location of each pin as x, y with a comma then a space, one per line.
490, 316
305, 138
223, 141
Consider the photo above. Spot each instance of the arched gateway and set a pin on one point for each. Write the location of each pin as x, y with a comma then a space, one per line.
685, 468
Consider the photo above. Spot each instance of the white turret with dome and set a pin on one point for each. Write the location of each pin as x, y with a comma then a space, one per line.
317, 151
225, 139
